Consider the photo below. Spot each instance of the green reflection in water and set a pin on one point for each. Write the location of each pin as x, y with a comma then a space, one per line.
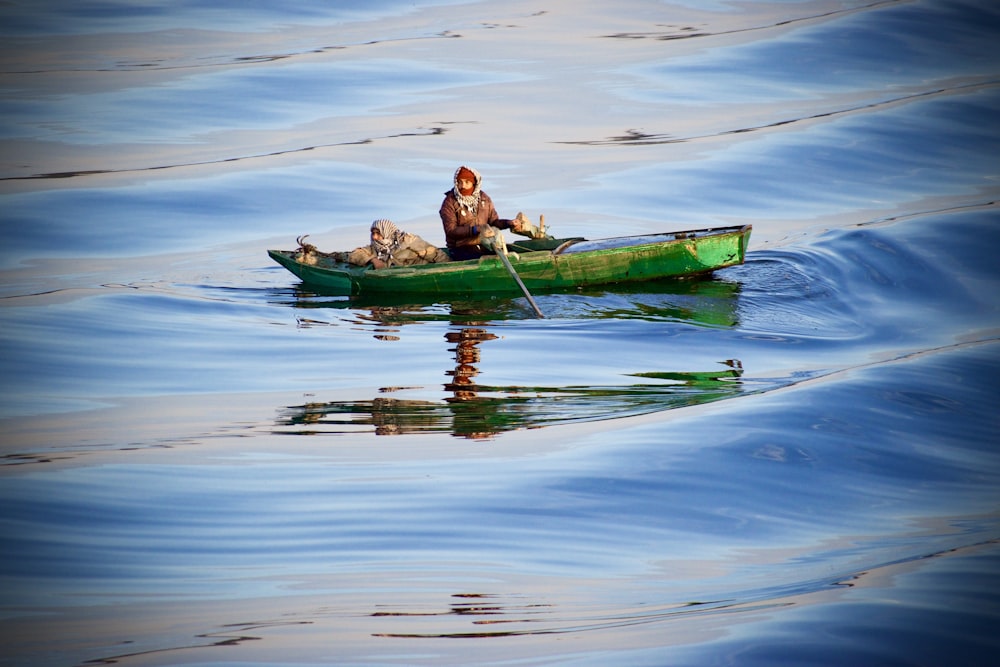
474, 410
711, 302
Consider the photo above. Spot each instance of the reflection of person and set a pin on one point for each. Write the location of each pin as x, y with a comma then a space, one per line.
470, 220
391, 246
466, 358
474, 417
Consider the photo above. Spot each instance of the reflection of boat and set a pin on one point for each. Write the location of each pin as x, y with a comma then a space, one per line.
543, 264
710, 301
480, 411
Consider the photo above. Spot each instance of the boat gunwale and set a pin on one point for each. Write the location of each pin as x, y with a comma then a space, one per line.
532, 256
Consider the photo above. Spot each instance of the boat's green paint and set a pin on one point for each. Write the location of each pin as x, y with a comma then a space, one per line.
543, 265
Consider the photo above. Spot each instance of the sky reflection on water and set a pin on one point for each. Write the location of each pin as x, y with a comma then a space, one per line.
736, 469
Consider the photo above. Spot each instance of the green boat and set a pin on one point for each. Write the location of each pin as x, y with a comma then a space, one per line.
544, 265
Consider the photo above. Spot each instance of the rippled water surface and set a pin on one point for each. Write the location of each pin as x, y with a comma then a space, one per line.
792, 461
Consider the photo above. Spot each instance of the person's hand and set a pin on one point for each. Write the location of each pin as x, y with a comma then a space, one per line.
487, 238
378, 263
521, 224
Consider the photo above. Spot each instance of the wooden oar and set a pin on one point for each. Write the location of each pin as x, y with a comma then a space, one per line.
501, 247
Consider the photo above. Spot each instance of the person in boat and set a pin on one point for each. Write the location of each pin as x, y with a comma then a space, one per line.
391, 246
470, 220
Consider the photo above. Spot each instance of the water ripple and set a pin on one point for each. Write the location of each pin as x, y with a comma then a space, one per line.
643, 138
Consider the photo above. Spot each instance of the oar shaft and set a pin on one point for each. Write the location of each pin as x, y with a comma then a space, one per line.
520, 283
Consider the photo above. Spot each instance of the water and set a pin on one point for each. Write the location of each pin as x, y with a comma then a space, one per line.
208, 463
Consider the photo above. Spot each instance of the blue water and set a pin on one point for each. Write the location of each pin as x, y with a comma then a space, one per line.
206, 462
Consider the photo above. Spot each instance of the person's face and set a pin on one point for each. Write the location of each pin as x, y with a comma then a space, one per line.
465, 184
376, 236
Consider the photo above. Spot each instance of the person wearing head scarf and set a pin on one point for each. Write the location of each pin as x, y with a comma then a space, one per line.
391, 246
469, 217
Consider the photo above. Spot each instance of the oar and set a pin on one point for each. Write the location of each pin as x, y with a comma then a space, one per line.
501, 248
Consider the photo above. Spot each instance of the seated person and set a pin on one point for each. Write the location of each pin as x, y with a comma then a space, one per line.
392, 246
470, 220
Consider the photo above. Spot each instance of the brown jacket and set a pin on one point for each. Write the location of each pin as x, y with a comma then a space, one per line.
462, 229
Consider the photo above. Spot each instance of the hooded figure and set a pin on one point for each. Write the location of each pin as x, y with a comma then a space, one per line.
391, 246
468, 214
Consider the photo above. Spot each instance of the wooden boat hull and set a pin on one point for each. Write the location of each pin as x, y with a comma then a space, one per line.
543, 265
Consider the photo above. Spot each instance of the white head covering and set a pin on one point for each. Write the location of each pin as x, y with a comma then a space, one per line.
471, 201
392, 236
